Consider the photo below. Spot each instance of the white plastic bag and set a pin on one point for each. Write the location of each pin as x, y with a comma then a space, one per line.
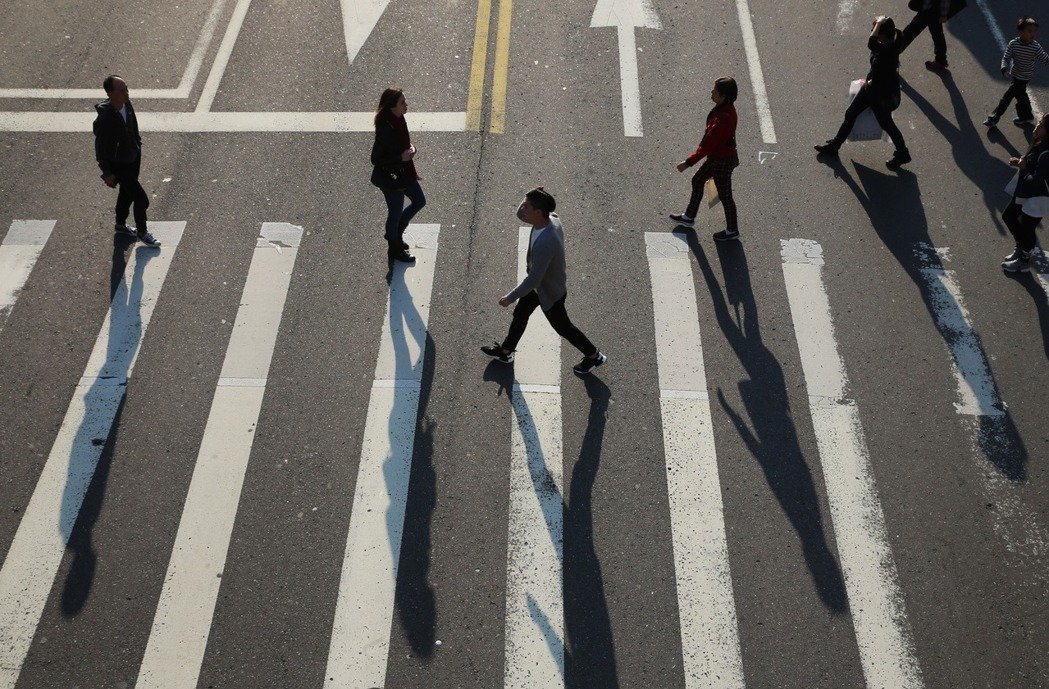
866, 127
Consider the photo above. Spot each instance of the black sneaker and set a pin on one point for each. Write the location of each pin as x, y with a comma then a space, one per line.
828, 149
497, 352
402, 255
149, 240
991, 121
899, 159
588, 364
726, 235
682, 219
124, 228
1021, 121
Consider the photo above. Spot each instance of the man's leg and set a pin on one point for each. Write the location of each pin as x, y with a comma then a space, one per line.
525, 306
698, 180
558, 318
911, 31
939, 43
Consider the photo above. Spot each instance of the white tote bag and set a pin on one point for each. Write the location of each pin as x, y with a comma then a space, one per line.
866, 127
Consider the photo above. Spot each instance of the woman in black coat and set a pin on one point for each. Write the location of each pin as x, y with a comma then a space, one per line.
1030, 202
394, 170
880, 93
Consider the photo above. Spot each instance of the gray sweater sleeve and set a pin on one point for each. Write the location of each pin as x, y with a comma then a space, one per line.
542, 254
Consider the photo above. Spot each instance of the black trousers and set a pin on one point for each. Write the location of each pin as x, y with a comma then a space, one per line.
558, 318
131, 192
861, 102
1021, 225
930, 19
1018, 90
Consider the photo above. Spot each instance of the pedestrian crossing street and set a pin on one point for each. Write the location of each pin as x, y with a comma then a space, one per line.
360, 639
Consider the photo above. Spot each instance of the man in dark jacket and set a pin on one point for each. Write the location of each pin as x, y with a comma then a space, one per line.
118, 150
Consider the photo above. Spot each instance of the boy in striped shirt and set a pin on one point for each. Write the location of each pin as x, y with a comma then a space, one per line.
1018, 64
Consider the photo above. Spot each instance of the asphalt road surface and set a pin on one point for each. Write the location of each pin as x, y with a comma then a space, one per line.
262, 457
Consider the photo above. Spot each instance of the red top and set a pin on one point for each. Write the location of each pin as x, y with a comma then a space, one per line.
719, 141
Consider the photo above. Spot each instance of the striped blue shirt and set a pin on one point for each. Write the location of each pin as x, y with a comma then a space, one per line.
1019, 58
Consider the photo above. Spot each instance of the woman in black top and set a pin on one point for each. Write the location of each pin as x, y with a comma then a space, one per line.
394, 170
1030, 200
880, 93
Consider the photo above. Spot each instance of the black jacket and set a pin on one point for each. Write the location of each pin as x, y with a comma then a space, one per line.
389, 170
884, 78
116, 142
1033, 178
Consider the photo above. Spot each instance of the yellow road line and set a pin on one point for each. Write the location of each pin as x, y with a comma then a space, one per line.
480, 58
502, 61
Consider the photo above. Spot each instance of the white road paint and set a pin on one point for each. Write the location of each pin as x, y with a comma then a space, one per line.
626, 16
218, 67
185, 87
978, 401
232, 121
22, 244
757, 77
846, 8
875, 601
360, 639
32, 562
358, 21
1003, 42
535, 629
709, 628
183, 617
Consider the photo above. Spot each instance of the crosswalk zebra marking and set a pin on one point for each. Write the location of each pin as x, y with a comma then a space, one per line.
535, 629
182, 621
878, 612
22, 244
709, 627
35, 555
360, 639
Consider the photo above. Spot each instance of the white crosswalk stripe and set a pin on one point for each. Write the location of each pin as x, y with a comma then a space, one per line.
19, 251
187, 602
36, 552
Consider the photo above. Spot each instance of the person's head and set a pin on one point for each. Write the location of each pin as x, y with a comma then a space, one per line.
391, 104
1040, 137
116, 89
887, 31
1027, 27
536, 207
724, 91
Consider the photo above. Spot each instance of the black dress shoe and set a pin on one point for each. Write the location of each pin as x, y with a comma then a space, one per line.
402, 255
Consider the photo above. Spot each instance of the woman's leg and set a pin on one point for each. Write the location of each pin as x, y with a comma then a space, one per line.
698, 180
394, 210
723, 182
1021, 226
860, 103
414, 192
884, 117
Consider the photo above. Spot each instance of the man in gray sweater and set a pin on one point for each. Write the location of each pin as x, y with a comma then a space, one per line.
545, 284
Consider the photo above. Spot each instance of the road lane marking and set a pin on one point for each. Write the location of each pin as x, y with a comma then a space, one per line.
19, 251
32, 562
535, 629
978, 401
757, 77
627, 16
358, 21
360, 639
232, 121
876, 603
189, 76
182, 621
218, 67
709, 627
502, 62
479, 60
1003, 43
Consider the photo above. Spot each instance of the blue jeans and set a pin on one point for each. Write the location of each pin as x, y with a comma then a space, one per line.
398, 217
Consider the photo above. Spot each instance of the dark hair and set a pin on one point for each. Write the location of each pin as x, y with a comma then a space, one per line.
110, 82
1037, 147
888, 28
387, 101
1024, 22
726, 86
542, 200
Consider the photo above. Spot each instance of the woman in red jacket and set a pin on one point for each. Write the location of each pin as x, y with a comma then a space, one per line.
719, 148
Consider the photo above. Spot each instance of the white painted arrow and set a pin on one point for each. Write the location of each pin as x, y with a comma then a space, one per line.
626, 15
359, 18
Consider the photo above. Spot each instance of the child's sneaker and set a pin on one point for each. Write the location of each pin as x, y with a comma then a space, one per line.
991, 121
1020, 121
682, 219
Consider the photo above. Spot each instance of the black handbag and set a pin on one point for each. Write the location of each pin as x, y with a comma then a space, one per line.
390, 178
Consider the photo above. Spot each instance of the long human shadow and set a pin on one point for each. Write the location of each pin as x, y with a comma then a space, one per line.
989, 173
1041, 303
414, 597
774, 440
903, 228
588, 647
97, 434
